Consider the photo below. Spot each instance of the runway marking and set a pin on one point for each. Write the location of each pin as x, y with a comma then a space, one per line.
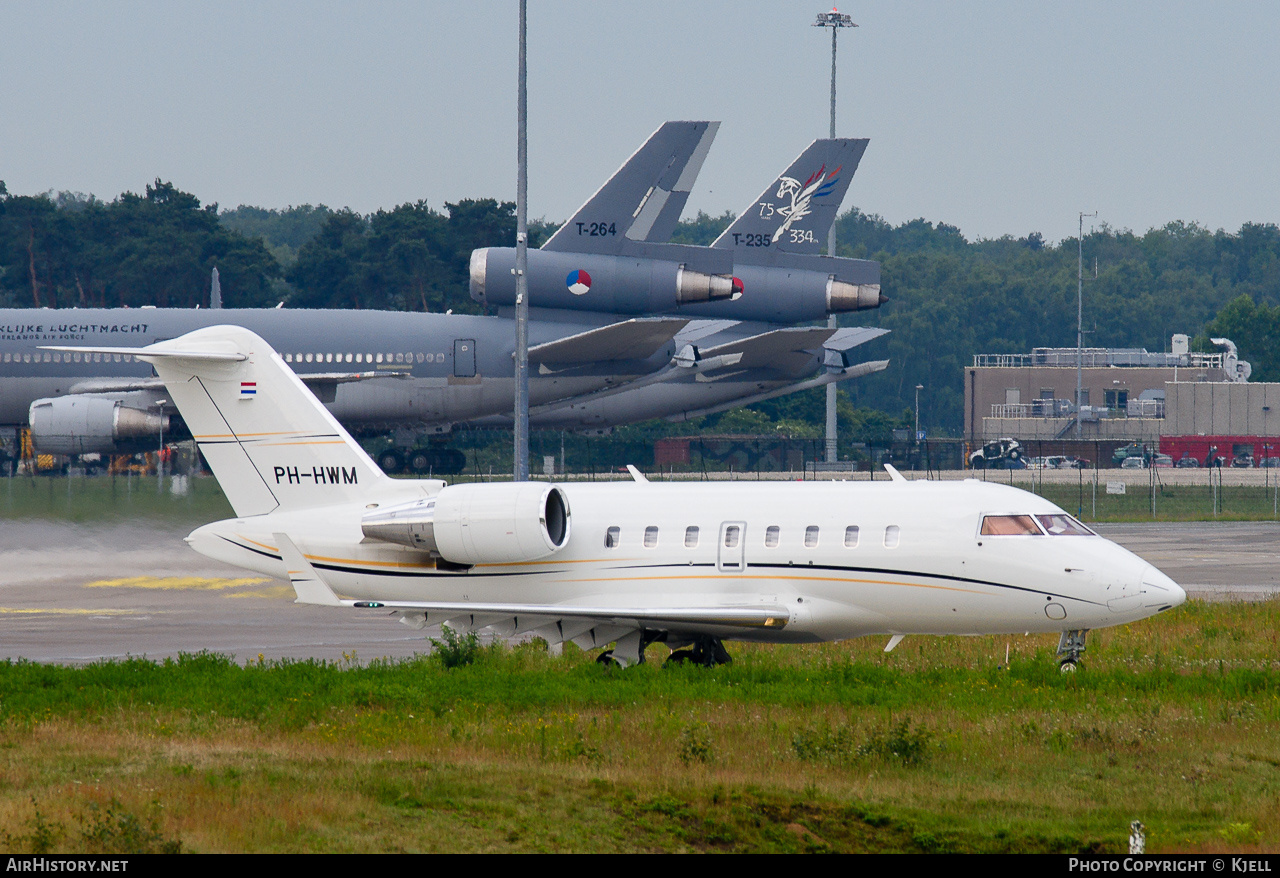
72, 611
273, 591
177, 582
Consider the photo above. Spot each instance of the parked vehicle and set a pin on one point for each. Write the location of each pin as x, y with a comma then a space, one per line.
1162, 461
1133, 463
998, 454
1187, 462
1125, 452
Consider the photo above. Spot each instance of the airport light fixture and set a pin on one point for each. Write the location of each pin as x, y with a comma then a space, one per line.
834, 20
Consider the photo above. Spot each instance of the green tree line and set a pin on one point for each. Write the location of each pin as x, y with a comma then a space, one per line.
949, 298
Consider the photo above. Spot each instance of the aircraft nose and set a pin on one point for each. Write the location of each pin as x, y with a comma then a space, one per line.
1160, 584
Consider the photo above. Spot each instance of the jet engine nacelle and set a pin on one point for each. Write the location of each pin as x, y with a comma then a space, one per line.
777, 287
478, 524
632, 284
90, 424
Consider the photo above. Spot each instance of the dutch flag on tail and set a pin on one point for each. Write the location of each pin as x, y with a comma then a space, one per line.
248, 389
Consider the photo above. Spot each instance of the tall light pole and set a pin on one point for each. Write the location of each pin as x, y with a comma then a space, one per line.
1080, 318
520, 468
834, 20
919, 387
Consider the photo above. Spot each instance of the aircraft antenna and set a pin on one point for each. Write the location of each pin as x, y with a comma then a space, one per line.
520, 471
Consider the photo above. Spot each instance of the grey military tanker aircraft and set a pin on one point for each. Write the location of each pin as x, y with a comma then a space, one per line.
415, 372
377, 370
766, 266
381, 370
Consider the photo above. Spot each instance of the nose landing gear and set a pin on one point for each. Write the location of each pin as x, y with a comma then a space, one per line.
1070, 648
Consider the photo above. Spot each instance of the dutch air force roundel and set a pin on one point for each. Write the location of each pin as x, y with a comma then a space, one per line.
578, 282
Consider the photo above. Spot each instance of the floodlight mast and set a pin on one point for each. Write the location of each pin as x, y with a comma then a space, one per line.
834, 20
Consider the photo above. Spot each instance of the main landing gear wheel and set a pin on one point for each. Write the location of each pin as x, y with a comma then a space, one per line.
706, 651
390, 462
1070, 648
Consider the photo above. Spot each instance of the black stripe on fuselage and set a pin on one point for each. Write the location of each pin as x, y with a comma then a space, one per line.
795, 568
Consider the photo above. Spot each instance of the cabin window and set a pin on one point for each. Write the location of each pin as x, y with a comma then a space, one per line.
851, 537
379, 358
1009, 525
891, 534
348, 358
771, 535
811, 537
732, 534
651, 537
26, 358
421, 358
1063, 525
612, 537
691, 537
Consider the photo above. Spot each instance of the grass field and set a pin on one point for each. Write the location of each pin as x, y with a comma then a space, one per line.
934, 747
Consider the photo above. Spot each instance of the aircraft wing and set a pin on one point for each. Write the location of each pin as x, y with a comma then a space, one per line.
855, 371
636, 339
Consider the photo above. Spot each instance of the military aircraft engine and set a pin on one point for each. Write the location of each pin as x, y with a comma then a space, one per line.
478, 524
600, 282
91, 424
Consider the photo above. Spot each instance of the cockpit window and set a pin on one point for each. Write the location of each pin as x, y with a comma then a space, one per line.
1009, 525
1063, 525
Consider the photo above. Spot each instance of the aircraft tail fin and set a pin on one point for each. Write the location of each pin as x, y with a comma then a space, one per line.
797, 210
269, 441
643, 200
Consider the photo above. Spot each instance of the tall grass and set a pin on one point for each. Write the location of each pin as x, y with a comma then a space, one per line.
936, 746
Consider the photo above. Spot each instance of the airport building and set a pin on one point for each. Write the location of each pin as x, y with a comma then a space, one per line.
1182, 402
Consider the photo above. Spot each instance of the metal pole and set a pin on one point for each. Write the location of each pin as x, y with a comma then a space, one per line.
835, 21
520, 469
1080, 315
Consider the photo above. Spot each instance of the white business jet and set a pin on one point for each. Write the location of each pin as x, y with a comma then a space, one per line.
686, 564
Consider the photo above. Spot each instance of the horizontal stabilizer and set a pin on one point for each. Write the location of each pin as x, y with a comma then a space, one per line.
787, 351
643, 200
215, 353
852, 336
636, 339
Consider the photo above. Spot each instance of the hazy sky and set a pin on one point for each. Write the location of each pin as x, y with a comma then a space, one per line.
998, 117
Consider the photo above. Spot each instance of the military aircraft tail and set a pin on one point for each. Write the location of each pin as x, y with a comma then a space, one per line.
643, 200
795, 213
269, 441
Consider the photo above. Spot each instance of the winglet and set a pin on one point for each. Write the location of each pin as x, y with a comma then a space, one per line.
311, 589
636, 474
894, 475
894, 641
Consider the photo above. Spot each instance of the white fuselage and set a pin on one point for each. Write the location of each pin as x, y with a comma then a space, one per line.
844, 559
